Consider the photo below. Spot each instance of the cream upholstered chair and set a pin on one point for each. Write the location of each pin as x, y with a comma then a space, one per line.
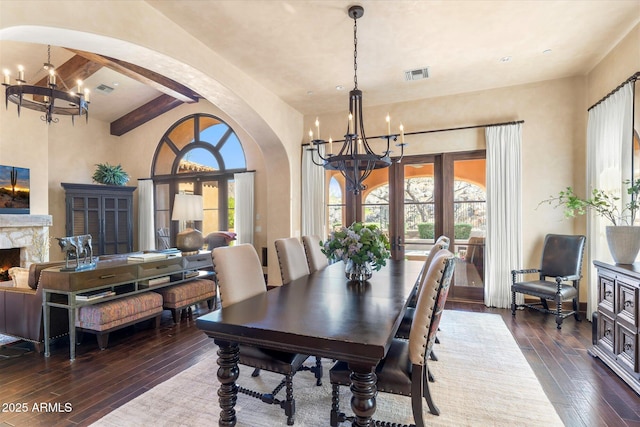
293, 261
293, 265
404, 369
239, 274
316, 260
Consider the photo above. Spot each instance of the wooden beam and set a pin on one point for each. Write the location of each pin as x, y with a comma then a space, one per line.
143, 114
68, 74
148, 77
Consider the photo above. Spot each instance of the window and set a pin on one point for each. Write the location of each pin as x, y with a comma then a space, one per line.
197, 155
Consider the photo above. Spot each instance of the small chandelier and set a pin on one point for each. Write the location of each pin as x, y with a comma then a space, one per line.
46, 99
356, 159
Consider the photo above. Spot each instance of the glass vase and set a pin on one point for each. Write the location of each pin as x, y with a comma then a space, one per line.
358, 272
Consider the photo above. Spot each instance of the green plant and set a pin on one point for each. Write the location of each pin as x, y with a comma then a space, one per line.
359, 243
427, 230
601, 202
110, 174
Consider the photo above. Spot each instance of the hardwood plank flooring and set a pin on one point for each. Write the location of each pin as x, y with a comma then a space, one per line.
584, 391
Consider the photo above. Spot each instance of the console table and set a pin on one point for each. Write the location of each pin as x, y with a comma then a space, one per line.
617, 334
124, 277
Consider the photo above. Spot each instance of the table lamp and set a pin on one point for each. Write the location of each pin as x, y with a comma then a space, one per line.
188, 208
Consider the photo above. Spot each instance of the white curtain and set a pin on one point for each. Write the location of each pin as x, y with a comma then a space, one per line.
243, 216
609, 154
313, 202
504, 227
146, 228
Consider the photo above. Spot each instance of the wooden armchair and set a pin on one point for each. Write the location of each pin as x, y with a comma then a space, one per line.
562, 262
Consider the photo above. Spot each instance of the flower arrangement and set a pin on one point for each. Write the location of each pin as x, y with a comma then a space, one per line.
601, 202
360, 243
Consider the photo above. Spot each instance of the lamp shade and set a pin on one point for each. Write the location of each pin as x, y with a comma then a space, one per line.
187, 207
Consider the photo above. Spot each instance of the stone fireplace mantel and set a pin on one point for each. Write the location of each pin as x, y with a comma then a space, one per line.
30, 233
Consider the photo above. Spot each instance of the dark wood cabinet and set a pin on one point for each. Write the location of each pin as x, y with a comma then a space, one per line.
105, 212
617, 337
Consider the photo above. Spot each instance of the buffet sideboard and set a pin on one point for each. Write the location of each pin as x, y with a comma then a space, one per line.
617, 323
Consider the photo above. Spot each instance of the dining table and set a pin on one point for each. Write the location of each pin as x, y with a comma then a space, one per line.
320, 314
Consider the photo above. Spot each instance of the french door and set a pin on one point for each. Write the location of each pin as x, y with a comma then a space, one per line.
424, 197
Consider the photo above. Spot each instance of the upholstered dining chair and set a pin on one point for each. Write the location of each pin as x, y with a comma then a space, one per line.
293, 265
239, 274
405, 326
292, 259
562, 263
316, 260
404, 369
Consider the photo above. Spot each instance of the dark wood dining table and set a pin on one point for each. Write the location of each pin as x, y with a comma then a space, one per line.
321, 315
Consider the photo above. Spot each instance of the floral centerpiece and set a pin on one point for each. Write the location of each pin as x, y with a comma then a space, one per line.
362, 247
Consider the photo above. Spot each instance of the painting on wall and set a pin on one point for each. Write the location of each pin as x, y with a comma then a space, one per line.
14, 190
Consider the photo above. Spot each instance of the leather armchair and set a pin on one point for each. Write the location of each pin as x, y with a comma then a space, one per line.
21, 310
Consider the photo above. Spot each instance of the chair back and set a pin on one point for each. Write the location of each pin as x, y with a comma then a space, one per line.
441, 243
293, 261
562, 255
238, 272
316, 260
431, 301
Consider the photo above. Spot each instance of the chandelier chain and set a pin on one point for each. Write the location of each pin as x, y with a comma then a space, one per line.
355, 52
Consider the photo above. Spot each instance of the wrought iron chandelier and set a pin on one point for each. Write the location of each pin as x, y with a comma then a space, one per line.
356, 159
47, 99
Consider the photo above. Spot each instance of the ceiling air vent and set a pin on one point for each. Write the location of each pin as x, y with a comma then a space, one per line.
104, 89
417, 74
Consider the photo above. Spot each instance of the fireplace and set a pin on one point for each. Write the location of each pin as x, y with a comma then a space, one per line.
28, 234
8, 258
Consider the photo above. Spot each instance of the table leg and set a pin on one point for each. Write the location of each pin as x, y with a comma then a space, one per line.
45, 318
363, 401
228, 356
72, 328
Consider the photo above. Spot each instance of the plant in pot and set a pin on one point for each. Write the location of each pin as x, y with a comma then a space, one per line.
622, 236
110, 174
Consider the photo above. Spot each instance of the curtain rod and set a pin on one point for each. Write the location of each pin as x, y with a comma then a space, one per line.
443, 130
633, 78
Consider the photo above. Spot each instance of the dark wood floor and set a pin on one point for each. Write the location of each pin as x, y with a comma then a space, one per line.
54, 392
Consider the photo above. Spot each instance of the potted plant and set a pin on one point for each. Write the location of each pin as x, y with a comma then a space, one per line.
110, 174
622, 236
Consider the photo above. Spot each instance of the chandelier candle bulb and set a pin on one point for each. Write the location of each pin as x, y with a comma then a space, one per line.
86, 95
330, 146
52, 77
317, 129
388, 119
350, 125
7, 77
20, 73
401, 134
79, 87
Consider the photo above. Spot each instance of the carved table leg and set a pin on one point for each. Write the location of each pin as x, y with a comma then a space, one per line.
363, 401
227, 375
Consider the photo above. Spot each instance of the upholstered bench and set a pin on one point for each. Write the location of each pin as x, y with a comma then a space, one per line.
100, 319
180, 297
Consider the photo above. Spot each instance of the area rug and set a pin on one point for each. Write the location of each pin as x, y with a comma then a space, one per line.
482, 379
10, 347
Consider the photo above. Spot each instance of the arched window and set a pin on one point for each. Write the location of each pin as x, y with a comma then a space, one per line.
197, 155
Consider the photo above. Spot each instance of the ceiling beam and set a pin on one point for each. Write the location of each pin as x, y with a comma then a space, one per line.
157, 81
68, 74
143, 114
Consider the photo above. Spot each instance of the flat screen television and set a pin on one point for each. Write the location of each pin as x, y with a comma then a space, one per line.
14, 190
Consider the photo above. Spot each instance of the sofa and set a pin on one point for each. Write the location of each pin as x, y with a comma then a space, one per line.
21, 310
